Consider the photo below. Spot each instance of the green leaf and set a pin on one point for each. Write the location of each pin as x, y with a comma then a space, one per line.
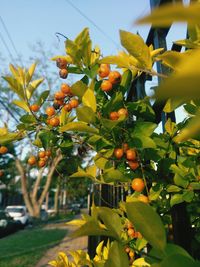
152, 228
195, 185
188, 196
117, 256
15, 86
122, 60
79, 127
136, 46
89, 99
79, 88
114, 175
10, 137
47, 138
176, 199
109, 124
173, 189
85, 114
42, 98
180, 181
22, 104
178, 260
114, 103
167, 14
172, 59
170, 127
30, 73
172, 104
140, 262
28, 119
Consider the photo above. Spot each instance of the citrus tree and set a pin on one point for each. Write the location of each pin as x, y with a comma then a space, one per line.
93, 115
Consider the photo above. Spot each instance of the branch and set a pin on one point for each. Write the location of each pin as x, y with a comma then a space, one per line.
55, 162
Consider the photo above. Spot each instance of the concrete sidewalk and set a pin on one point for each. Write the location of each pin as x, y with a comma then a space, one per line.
65, 245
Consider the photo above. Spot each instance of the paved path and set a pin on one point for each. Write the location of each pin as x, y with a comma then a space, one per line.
66, 244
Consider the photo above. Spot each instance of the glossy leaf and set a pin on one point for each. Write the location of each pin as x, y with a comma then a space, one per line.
177, 260
10, 137
42, 98
79, 88
30, 72
136, 46
33, 86
152, 229
114, 175
85, 114
117, 256
78, 127
176, 199
22, 104
89, 99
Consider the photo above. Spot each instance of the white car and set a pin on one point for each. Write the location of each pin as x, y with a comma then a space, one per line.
18, 213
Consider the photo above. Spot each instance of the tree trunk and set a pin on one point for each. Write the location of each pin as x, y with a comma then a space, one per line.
56, 198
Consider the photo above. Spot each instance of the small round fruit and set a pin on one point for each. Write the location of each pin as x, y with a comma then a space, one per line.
104, 70
131, 254
129, 225
123, 112
41, 163
32, 160
3, 150
61, 63
133, 164
59, 102
118, 153
131, 154
131, 232
127, 249
143, 198
50, 111
41, 154
1, 173
65, 88
59, 95
138, 184
114, 116
114, 77
48, 153
74, 103
55, 121
63, 73
106, 86
125, 147
34, 107
138, 235
67, 107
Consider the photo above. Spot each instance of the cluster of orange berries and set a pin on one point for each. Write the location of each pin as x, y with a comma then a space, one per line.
41, 159
132, 234
115, 115
61, 63
3, 149
114, 77
130, 154
138, 185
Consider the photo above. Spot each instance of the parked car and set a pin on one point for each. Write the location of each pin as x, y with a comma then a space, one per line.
7, 224
18, 213
75, 208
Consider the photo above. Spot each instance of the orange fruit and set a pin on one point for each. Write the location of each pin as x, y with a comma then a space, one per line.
125, 147
3, 150
63, 73
127, 249
106, 86
143, 198
138, 235
74, 103
58, 103
48, 153
32, 160
55, 121
41, 154
131, 154
123, 112
65, 88
41, 163
138, 184
131, 232
118, 153
114, 116
34, 107
131, 254
59, 95
61, 63
67, 107
104, 70
133, 164
50, 111
1, 173
114, 77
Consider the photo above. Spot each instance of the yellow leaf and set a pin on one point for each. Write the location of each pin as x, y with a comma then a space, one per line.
167, 14
33, 86
3, 131
89, 99
79, 127
30, 73
22, 104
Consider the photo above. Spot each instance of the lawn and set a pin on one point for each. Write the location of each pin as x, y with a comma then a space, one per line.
26, 247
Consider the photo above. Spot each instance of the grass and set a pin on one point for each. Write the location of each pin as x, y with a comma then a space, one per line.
25, 248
